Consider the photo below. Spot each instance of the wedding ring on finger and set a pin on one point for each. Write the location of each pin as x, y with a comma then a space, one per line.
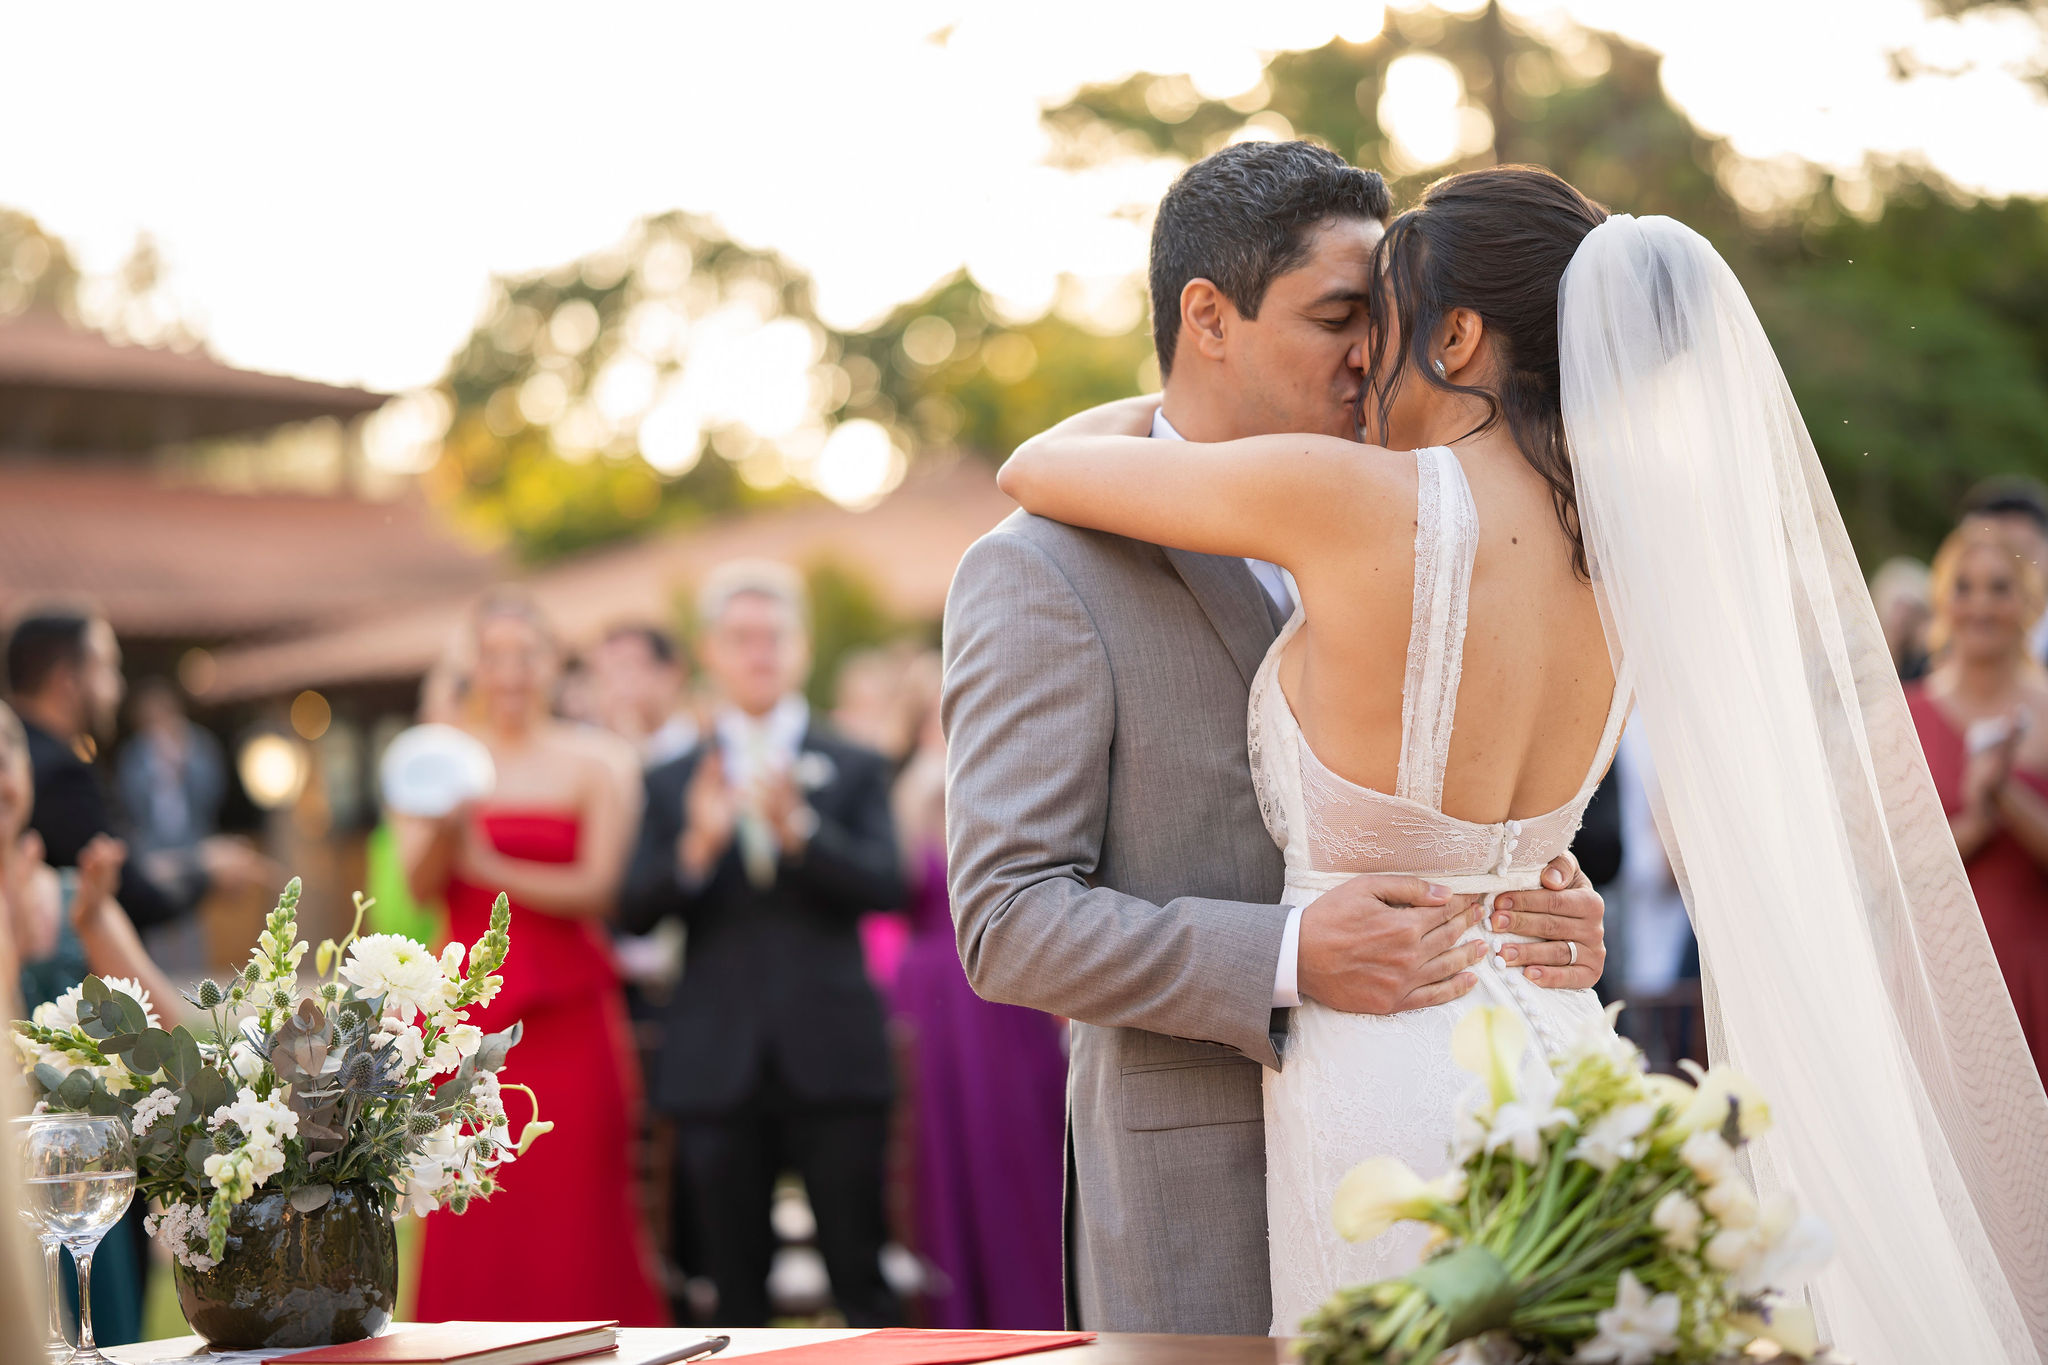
1572, 947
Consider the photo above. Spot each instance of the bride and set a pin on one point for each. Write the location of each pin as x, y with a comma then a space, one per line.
1589, 485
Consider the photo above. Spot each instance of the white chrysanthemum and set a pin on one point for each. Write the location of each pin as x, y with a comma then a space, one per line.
395, 967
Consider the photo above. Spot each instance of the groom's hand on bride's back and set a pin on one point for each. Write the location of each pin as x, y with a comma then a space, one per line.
1569, 915
1383, 944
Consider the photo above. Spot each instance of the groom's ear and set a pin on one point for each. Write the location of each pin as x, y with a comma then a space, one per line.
1205, 318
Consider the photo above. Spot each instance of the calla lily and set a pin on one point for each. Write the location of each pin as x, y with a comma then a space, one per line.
1720, 1088
1489, 1042
1377, 1194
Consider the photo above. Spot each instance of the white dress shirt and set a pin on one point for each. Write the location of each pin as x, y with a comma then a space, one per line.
1279, 585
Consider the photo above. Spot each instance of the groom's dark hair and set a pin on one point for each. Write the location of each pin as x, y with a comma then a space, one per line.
1242, 217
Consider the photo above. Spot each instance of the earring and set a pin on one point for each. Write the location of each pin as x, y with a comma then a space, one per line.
1441, 372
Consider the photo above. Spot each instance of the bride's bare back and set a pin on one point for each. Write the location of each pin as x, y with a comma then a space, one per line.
1537, 681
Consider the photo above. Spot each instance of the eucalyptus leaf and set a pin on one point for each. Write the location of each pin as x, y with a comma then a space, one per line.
151, 1051
196, 1152
490, 1054
128, 1010
75, 1090
99, 1101
209, 1091
306, 1198
94, 991
185, 1061
48, 1077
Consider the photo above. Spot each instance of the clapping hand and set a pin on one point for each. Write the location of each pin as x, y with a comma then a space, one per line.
710, 814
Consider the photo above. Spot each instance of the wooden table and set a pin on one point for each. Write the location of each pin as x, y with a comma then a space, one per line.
645, 1343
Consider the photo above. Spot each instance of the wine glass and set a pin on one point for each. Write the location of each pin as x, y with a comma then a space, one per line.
79, 1174
58, 1347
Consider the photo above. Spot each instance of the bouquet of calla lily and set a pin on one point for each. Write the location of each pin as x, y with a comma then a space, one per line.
366, 1076
1594, 1213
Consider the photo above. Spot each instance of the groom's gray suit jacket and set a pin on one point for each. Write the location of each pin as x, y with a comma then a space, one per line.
1108, 863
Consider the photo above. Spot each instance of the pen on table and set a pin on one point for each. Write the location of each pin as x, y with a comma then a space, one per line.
696, 1350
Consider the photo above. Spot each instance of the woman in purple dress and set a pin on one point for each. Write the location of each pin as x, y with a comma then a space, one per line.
986, 1087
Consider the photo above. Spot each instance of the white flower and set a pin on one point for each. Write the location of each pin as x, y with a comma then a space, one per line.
1678, 1218
1522, 1124
1718, 1089
1729, 1248
180, 1227
1711, 1159
408, 1039
1598, 1041
1731, 1203
244, 1060
1489, 1042
451, 961
152, 1107
466, 1038
397, 968
1612, 1138
1787, 1248
1788, 1326
1636, 1330
1374, 1195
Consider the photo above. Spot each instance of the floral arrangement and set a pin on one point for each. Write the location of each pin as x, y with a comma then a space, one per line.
1594, 1213
368, 1074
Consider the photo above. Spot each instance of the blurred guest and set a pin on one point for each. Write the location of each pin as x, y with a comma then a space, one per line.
171, 776
877, 699
62, 925
1655, 966
1900, 591
64, 670
1982, 714
563, 1239
880, 699
768, 841
2018, 507
637, 682
989, 1099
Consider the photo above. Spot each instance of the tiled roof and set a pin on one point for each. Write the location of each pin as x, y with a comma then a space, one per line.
64, 388
905, 548
170, 562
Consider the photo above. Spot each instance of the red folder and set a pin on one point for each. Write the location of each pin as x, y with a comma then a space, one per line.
467, 1343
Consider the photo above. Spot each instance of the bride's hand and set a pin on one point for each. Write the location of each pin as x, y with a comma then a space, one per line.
1567, 912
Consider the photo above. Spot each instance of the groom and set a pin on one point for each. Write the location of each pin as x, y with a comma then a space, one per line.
1108, 858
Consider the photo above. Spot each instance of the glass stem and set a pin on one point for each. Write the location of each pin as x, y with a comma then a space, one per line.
53, 1272
84, 1259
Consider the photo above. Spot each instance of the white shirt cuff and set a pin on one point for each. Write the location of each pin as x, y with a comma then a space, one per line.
1286, 976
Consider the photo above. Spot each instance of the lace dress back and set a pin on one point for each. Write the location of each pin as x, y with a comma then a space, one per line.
1357, 1086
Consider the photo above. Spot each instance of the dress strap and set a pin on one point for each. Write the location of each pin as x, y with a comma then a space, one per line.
1446, 541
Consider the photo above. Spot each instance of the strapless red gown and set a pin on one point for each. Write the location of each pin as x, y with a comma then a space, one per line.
560, 1241
2011, 889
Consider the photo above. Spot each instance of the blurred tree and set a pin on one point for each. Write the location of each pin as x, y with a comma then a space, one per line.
1914, 331
36, 269
581, 407
949, 374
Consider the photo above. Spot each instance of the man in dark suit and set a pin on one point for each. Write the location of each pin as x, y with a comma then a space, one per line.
64, 671
768, 840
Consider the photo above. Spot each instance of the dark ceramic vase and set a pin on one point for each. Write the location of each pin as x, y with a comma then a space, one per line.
297, 1279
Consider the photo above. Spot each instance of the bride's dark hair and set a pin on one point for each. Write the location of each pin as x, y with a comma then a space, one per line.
1495, 241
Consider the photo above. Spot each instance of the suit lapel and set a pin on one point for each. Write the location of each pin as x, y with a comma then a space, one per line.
1237, 607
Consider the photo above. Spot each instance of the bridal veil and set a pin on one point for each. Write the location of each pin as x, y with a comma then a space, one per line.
1848, 971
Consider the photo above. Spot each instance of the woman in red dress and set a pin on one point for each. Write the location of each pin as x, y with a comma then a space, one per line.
562, 1240
1982, 713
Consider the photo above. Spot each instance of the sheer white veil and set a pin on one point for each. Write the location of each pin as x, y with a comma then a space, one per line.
1848, 971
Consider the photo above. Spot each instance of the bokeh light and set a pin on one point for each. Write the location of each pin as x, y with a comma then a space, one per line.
859, 465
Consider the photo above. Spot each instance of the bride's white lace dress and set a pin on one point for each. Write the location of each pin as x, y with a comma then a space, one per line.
1356, 1086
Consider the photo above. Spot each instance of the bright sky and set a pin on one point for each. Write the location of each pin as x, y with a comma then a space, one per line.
332, 187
